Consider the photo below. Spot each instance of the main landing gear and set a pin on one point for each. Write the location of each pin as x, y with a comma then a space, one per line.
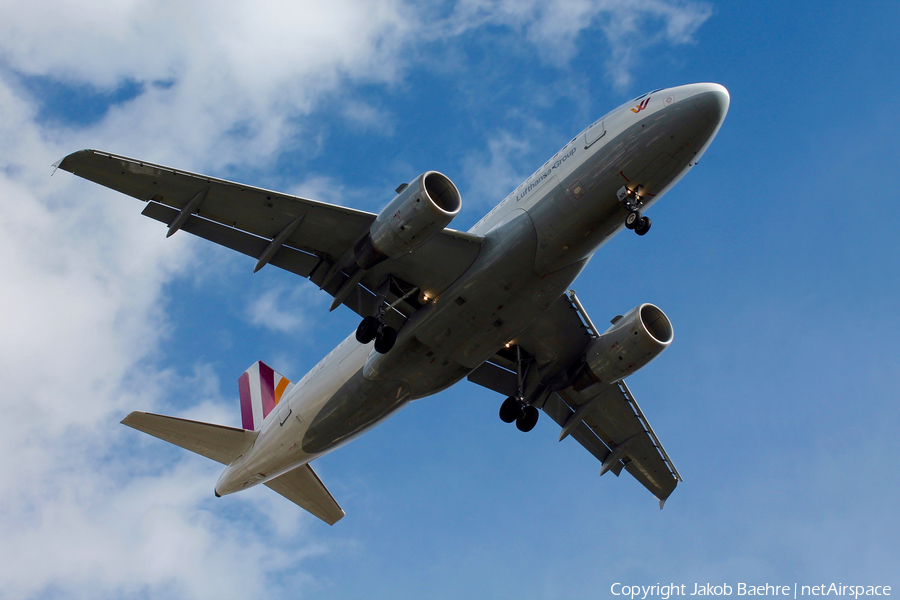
515, 408
371, 328
633, 202
525, 415
375, 327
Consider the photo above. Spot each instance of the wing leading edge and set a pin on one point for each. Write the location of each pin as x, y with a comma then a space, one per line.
303, 236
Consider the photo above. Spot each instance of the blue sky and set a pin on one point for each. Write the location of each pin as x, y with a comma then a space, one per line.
776, 259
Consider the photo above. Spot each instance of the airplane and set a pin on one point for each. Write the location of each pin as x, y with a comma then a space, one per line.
492, 305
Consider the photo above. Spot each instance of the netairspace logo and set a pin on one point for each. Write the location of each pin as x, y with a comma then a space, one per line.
745, 589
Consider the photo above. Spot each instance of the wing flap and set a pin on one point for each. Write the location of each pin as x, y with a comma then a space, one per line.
557, 410
304, 488
615, 419
495, 378
217, 442
287, 258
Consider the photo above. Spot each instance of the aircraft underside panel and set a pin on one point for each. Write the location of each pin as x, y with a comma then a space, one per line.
358, 405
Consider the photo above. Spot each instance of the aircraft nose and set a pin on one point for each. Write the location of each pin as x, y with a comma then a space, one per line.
713, 102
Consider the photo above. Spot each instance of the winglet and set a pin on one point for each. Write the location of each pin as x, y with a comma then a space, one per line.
56, 166
662, 502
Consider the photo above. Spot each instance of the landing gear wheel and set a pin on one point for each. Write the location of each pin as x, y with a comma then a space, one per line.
385, 340
510, 410
367, 330
643, 226
633, 219
528, 419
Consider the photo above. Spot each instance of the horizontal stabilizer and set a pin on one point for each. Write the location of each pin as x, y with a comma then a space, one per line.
304, 488
221, 444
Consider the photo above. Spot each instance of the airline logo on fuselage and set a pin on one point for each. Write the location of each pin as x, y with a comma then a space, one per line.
557, 162
641, 106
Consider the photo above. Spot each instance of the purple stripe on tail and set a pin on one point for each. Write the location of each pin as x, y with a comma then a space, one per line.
267, 388
246, 403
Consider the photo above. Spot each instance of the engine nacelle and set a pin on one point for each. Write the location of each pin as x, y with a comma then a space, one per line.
632, 342
419, 211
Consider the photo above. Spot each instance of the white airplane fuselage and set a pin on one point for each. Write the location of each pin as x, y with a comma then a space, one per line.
537, 241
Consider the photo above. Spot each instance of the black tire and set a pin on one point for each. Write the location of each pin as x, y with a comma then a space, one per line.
644, 226
528, 419
633, 219
367, 330
510, 410
385, 341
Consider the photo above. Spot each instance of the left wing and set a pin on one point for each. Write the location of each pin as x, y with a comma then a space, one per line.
299, 235
604, 418
218, 442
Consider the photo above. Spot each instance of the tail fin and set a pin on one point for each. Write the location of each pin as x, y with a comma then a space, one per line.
261, 389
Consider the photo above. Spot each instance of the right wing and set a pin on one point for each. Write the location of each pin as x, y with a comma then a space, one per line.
304, 488
613, 428
299, 235
604, 418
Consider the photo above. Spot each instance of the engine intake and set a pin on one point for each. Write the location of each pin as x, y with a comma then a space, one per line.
626, 347
417, 213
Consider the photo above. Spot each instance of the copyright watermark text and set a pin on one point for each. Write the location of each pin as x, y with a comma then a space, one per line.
666, 591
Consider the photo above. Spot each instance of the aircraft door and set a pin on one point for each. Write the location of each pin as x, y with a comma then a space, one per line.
593, 133
284, 411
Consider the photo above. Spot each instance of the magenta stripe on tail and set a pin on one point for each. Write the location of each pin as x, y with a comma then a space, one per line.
267, 388
246, 403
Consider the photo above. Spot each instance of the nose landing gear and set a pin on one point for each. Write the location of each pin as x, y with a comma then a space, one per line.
633, 202
640, 224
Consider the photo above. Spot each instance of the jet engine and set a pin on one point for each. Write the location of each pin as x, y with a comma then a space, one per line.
420, 210
633, 341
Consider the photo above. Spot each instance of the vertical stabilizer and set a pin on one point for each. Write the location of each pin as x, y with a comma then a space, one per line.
261, 389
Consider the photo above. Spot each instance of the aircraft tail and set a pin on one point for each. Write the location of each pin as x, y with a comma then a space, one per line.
261, 389
221, 444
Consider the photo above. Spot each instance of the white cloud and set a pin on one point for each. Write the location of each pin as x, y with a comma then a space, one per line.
368, 117
494, 172
322, 188
235, 67
556, 27
285, 309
